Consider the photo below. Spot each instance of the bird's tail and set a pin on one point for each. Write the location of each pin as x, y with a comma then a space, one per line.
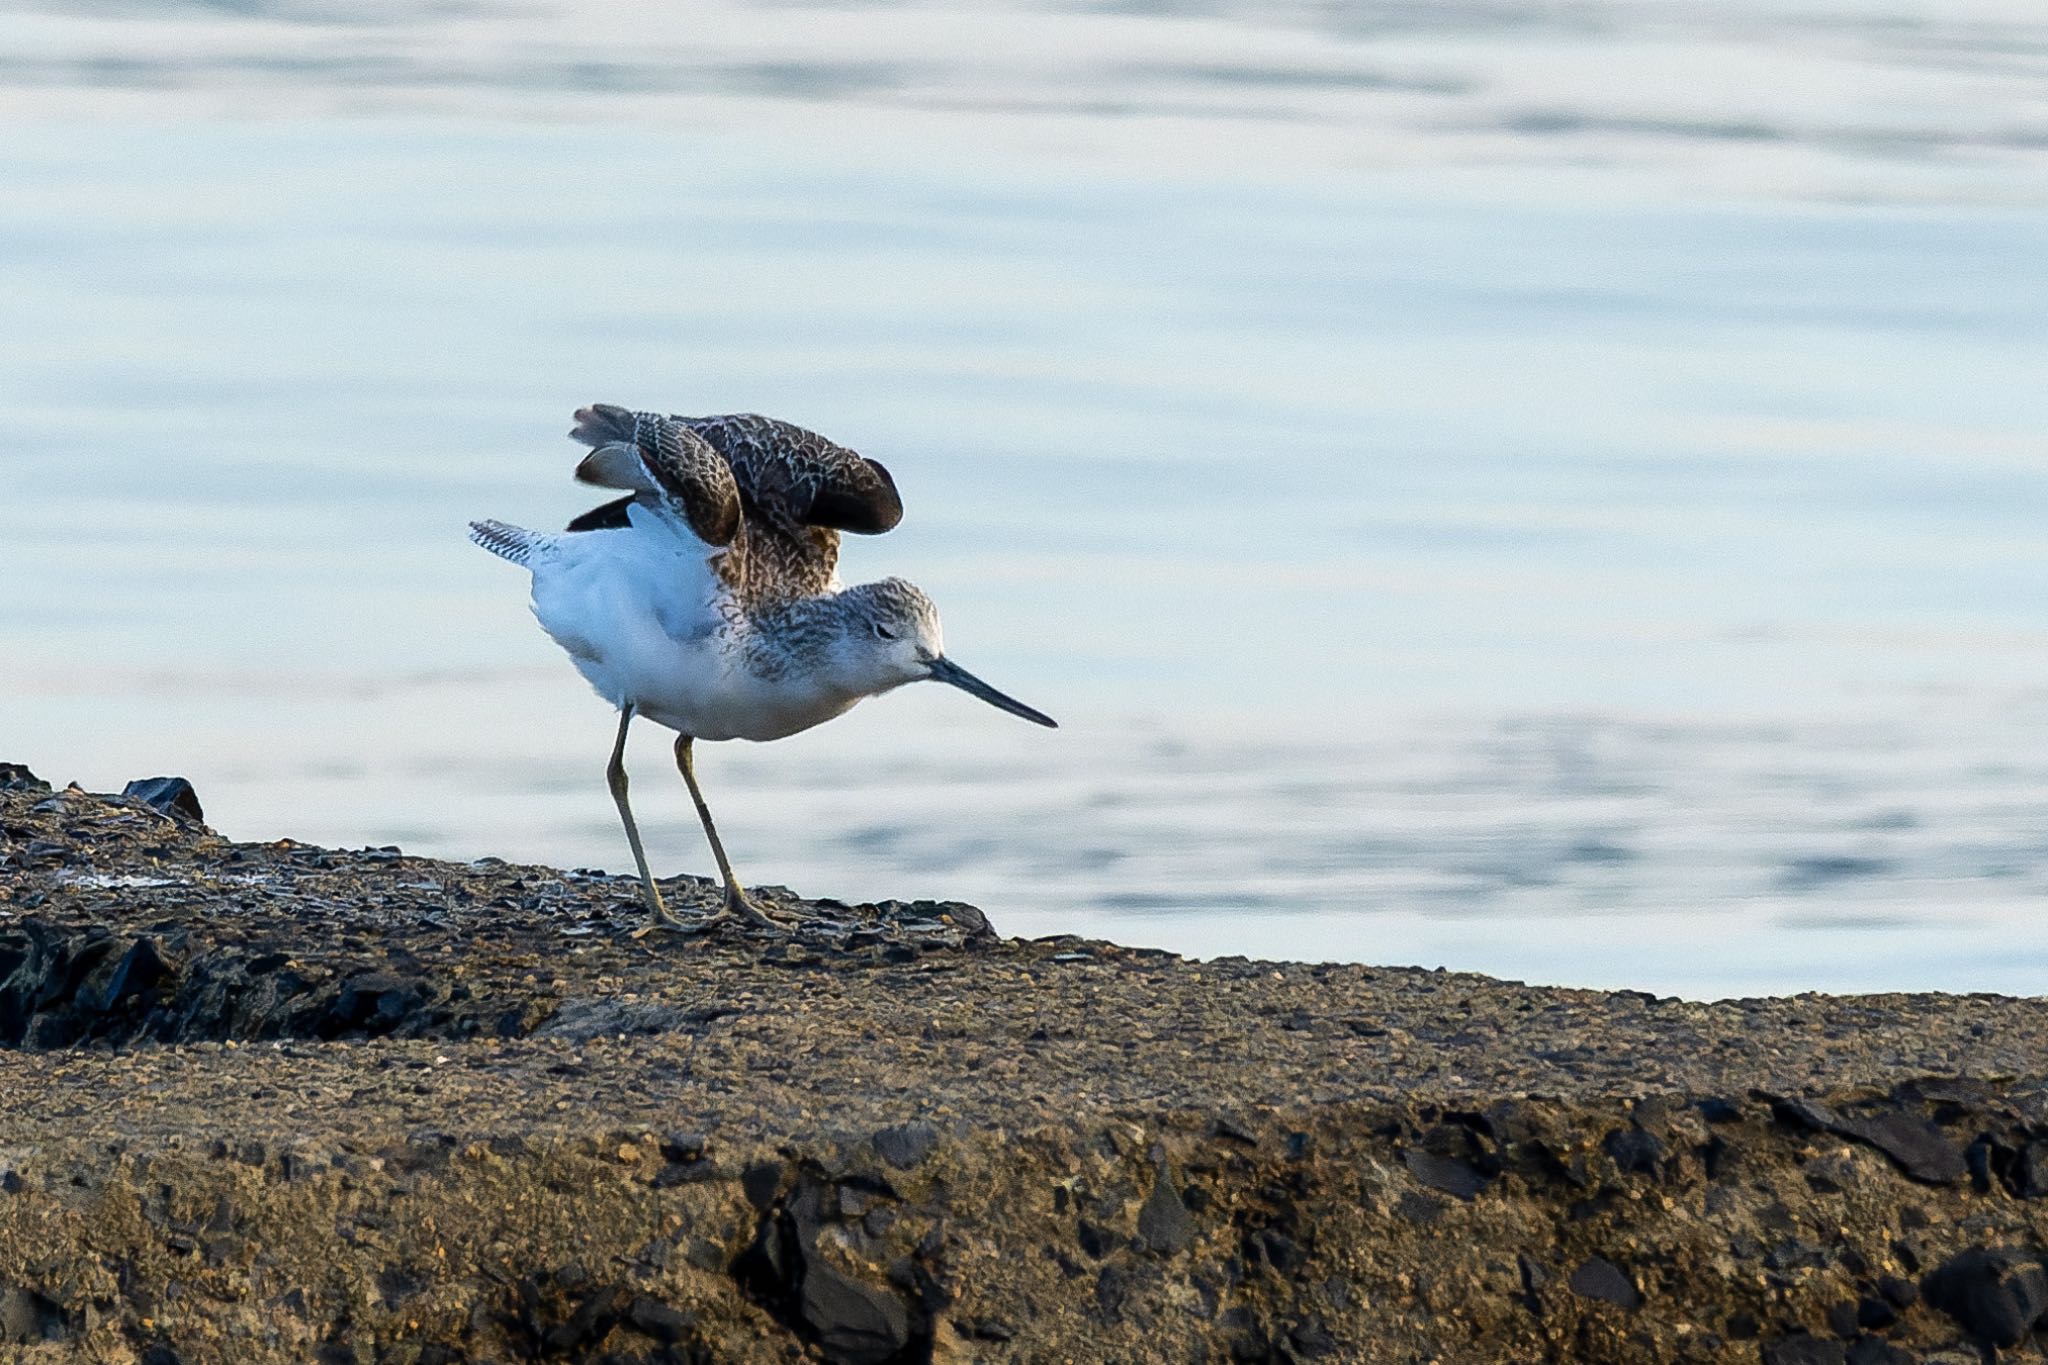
515, 543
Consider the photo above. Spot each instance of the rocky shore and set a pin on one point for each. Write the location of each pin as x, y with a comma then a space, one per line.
284, 1103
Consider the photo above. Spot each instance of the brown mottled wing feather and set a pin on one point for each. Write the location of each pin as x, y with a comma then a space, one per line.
799, 491
661, 459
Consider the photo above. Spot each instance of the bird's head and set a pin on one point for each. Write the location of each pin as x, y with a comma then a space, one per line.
892, 637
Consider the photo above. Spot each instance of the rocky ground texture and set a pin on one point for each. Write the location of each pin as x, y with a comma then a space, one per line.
284, 1103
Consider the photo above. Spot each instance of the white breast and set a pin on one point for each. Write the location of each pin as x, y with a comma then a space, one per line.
645, 618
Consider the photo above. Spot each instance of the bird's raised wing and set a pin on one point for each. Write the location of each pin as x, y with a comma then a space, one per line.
667, 465
797, 491
774, 494
798, 476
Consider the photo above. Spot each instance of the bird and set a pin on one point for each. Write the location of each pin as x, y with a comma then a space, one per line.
707, 599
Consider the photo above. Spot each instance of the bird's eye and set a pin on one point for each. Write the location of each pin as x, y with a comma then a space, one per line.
882, 632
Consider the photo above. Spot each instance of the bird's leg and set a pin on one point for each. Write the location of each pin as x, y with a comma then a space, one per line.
737, 902
615, 778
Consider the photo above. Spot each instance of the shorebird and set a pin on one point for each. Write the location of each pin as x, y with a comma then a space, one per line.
708, 598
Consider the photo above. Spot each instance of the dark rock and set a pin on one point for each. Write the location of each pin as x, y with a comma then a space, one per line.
1235, 1131
1163, 1223
1634, 1151
906, 1144
1742, 1325
1112, 1291
856, 1324
1452, 1176
1275, 1249
1873, 1314
1419, 1208
2030, 1173
1803, 1113
1793, 1254
1898, 1291
1921, 1150
16, 777
1803, 1350
1868, 1350
1979, 1157
761, 1182
988, 1329
1311, 1337
652, 1318
27, 1318
1602, 1279
683, 1147
171, 795
1095, 1239
1842, 1319
141, 967
1996, 1296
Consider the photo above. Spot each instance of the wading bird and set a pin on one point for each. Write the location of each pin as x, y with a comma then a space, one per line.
708, 598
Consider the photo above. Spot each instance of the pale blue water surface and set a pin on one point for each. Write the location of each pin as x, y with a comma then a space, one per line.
1560, 493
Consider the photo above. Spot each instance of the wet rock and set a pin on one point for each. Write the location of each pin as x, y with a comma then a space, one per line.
904, 1145
1996, 1296
1454, 1177
171, 795
1600, 1278
856, 1324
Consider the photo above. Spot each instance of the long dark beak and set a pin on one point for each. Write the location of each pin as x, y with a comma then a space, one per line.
946, 671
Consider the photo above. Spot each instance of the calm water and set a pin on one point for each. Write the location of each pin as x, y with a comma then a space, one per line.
1558, 491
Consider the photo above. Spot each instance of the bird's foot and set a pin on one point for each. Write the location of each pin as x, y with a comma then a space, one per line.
659, 920
742, 907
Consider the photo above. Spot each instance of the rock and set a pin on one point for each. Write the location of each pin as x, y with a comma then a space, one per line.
652, 1318
16, 777
27, 1318
1452, 1176
1921, 1149
1164, 1224
581, 1020
171, 795
1898, 1291
761, 1182
904, 1145
1868, 1350
1803, 1113
1602, 1279
1802, 1349
2032, 1174
141, 967
856, 1325
1995, 1296
1634, 1151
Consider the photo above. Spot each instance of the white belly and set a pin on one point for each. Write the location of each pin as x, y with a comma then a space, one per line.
642, 614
